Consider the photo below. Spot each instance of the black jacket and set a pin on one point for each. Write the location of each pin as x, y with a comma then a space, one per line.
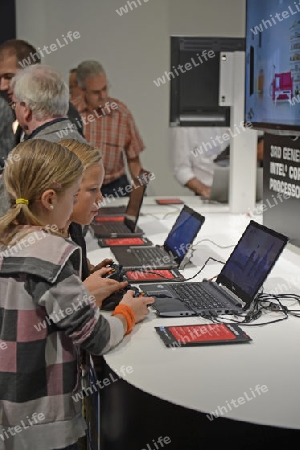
75, 231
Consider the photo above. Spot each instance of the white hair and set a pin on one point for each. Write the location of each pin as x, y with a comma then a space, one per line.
88, 69
43, 89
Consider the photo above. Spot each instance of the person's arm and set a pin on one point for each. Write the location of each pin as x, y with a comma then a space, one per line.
134, 166
199, 188
182, 159
134, 146
72, 308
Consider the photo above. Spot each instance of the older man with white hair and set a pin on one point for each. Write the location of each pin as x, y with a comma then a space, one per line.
40, 101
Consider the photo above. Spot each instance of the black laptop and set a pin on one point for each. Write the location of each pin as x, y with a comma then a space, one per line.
171, 253
125, 225
120, 210
235, 287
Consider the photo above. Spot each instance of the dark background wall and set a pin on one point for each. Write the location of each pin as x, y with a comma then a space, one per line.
7, 20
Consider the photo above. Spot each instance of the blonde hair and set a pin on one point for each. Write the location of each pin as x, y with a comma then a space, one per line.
33, 167
87, 154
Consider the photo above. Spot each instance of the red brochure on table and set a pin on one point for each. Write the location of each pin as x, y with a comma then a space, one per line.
194, 335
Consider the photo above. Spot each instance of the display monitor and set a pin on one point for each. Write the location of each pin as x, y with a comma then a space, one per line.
272, 85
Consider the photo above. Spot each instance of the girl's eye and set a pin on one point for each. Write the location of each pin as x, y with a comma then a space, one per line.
93, 189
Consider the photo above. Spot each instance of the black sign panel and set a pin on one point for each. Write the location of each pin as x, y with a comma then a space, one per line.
7, 20
281, 194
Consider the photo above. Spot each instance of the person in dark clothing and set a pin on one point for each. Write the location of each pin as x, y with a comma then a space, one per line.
75, 233
7, 139
16, 54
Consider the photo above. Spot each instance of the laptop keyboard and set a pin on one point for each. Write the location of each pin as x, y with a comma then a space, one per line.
195, 296
151, 254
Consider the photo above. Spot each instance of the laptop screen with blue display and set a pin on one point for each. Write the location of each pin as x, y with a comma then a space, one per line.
252, 260
183, 232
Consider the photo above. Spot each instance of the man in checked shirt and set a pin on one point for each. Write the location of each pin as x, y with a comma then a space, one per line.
109, 126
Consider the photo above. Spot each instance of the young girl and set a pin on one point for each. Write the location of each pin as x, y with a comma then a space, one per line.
84, 211
46, 313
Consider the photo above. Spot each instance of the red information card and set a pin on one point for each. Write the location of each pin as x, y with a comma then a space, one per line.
199, 333
169, 201
193, 335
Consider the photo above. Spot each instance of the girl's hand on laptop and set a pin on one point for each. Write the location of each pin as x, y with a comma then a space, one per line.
137, 304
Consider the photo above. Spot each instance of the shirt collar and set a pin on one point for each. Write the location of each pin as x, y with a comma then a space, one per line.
45, 125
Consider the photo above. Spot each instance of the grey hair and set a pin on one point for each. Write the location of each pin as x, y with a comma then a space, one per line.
88, 69
43, 89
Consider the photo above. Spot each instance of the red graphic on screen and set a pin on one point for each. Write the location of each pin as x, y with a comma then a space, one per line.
109, 219
124, 241
151, 275
202, 333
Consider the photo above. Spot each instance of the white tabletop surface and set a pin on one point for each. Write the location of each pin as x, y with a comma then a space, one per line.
213, 378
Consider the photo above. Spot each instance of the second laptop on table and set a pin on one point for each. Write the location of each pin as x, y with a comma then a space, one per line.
171, 253
122, 226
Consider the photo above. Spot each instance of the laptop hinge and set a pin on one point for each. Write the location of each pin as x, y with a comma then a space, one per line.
232, 295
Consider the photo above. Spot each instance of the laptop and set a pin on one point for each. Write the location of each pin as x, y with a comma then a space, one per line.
235, 287
125, 225
169, 255
120, 210
220, 187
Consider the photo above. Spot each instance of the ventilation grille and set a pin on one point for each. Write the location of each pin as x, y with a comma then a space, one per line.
216, 44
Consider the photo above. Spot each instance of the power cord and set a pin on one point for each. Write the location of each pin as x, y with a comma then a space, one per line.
214, 243
264, 302
165, 215
200, 270
193, 248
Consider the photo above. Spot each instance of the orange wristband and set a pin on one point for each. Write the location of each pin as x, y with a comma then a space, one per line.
128, 313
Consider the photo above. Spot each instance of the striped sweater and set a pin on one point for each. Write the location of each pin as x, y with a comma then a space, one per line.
46, 315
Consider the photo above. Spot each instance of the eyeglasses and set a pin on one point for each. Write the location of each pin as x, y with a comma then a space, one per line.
14, 104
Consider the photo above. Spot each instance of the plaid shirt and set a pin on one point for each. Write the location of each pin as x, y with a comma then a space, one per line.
46, 314
114, 133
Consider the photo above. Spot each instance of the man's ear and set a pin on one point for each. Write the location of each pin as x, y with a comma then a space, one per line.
27, 112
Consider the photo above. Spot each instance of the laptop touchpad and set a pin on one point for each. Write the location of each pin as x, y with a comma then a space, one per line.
170, 305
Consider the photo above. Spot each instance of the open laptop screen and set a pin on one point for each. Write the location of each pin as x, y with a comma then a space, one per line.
252, 260
183, 233
134, 205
